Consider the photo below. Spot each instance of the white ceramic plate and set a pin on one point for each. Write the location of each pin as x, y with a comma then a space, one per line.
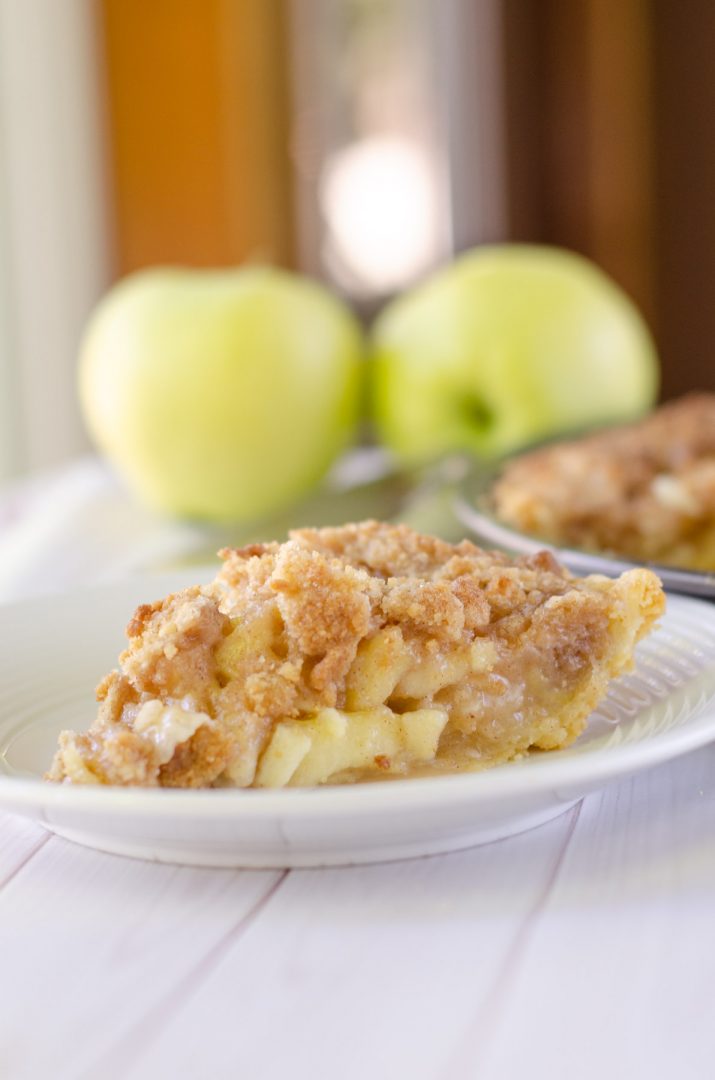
55, 650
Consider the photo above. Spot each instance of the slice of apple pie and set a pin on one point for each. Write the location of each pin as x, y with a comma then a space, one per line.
355, 653
643, 490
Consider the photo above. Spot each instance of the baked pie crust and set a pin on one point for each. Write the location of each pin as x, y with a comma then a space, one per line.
355, 653
646, 490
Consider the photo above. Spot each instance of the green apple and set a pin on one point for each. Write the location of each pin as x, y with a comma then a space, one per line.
504, 347
221, 395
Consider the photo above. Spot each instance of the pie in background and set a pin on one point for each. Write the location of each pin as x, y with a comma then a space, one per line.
645, 491
357, 653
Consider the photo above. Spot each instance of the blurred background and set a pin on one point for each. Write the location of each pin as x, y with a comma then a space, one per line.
362, 141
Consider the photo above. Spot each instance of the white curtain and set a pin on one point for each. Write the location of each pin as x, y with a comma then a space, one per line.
54, 251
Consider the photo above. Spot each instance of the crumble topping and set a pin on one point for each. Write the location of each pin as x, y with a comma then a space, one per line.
356, 652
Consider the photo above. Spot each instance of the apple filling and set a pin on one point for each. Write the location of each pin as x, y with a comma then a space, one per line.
358, 653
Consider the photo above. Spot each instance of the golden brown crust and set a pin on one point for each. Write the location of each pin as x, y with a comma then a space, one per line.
286, 631
644, 490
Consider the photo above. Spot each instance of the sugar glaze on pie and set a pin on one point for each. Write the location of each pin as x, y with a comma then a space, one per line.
356, 653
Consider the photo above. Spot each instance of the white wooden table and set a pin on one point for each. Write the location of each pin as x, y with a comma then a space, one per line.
583, 949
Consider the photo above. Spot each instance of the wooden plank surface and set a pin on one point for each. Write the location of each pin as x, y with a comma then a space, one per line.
583, 948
